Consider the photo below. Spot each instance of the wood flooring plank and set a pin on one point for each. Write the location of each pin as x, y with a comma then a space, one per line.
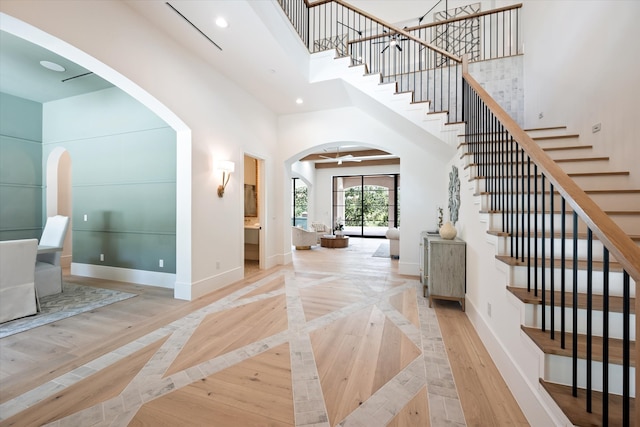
415, 413
485, 398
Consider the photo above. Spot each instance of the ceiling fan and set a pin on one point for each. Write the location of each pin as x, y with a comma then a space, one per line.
339, 158
394, 40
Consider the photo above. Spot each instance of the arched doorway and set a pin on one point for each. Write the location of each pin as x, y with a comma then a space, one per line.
59, 195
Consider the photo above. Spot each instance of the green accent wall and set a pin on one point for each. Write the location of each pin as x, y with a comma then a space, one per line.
123, 173
21, 191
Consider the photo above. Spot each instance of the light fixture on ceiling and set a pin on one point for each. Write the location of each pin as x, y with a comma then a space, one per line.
221, 22
53, 66
299, 101
226, 166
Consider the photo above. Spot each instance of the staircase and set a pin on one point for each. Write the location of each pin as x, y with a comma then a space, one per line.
565, 226
610, 191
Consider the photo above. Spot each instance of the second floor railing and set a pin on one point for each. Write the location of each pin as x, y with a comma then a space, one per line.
414, 65
423, 60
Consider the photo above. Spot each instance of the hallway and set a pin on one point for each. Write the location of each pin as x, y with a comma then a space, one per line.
336, 338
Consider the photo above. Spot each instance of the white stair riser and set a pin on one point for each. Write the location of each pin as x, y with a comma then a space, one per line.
630, 224
609, 202
533, 318
558, 369
519, 279
585, 182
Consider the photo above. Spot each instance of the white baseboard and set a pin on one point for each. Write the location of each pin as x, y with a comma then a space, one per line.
532, 403
191, 291
140, 277
408, 268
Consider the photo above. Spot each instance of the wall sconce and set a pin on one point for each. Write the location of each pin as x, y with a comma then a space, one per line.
226, 166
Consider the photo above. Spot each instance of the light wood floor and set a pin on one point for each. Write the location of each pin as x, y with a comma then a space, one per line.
313, 343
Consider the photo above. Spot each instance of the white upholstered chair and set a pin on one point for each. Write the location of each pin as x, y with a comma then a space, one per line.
393, 234
48, 269
17, 288
303, 239
320, 230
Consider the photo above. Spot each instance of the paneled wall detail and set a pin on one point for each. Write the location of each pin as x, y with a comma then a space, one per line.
21, 191
124, 179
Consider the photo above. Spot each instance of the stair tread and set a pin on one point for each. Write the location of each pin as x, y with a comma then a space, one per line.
576, 408
543, 138
570, 147
582, 264
567, 160
545, 128
571, 174
611, 191
568, 235
553, 346
529, 297
558, 211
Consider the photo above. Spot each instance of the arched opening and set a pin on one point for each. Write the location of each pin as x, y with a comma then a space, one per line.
183, 276
59, 195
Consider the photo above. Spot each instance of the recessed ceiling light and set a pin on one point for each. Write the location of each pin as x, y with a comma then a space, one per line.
221, 22
52, 66
299, 101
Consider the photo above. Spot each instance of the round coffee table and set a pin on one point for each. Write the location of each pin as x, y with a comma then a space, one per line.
334, 241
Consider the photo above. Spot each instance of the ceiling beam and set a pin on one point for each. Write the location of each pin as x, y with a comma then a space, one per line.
347, 164
357, 153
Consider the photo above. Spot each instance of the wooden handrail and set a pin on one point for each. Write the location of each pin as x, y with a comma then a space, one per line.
388, 25
465, 17
625, 251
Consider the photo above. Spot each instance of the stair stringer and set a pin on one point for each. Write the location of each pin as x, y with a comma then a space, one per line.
327, 65
520, 362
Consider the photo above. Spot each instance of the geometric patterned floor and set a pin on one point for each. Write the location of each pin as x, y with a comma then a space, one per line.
290, 349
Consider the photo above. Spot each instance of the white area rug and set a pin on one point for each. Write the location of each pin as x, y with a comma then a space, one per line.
74, 299
383, 250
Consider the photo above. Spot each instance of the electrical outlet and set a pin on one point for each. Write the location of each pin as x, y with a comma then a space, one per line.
540, 115
101, 257
161, 263
596, 128
86, 217
489, 309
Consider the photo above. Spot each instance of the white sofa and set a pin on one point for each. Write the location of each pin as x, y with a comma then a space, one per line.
17, 273
303, 239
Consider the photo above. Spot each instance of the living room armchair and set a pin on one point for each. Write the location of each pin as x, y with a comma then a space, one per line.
303, 239
320, 229
48, 276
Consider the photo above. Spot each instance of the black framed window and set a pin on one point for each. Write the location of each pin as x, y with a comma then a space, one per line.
367, 205
300, 203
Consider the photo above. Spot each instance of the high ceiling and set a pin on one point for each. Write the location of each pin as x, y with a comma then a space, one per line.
257, 50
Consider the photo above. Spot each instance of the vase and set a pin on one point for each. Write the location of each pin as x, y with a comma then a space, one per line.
448, 231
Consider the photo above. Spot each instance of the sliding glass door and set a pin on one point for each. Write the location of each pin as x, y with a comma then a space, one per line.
367, 205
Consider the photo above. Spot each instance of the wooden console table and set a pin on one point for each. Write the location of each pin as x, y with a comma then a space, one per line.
334, 242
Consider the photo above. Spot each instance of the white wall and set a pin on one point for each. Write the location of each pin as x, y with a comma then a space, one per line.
581, 68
